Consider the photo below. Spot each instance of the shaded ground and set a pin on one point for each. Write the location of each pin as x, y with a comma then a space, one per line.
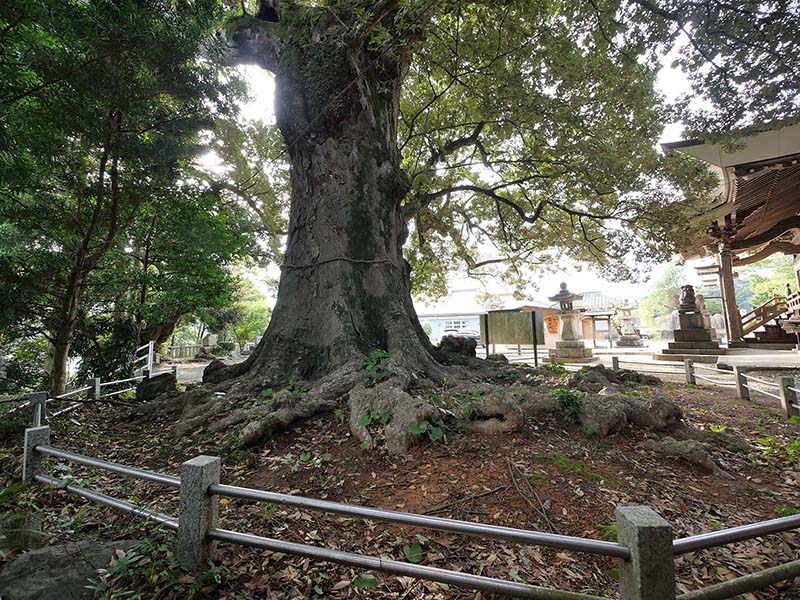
548, 468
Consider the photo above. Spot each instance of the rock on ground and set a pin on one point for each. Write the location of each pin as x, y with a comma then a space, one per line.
691, 451
464, 346
153, 387
56, 572
501, 358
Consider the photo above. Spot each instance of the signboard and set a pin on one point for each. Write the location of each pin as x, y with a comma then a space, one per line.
512, 327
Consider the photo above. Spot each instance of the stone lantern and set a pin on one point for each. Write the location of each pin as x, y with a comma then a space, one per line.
629, 338
570, 346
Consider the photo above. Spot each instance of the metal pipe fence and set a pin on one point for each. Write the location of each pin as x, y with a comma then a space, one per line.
38, 402
646, 564
509, 534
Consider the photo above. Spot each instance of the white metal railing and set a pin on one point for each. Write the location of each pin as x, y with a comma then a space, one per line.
39, 401
663, 369
783, 390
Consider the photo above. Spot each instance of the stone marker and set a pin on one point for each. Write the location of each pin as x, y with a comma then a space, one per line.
198, 512
650, 573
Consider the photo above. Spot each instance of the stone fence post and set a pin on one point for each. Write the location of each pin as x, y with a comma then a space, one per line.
742, 391
95, 388
32, 462
650, 573
198, 511
788, 396
615, 363
688, 365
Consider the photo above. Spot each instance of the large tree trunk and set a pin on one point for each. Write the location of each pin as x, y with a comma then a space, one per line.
345, 287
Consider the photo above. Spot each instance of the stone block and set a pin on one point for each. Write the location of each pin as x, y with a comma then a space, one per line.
692, 345
573, 352
690, 321
199, 511
692, 335
650, 573
699, 351
570, 344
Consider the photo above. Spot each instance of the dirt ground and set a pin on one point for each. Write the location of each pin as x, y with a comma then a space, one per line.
547, 477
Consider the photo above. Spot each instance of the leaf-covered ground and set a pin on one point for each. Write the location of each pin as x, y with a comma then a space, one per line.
548, 477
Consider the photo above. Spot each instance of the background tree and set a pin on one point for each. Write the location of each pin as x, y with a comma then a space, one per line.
656, 308
99, 104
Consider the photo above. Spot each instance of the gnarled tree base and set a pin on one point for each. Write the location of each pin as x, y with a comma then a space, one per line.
389, 413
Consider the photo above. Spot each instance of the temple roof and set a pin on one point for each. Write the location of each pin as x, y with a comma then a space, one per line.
760, 189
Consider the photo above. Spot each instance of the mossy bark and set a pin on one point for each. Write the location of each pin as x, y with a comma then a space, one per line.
345, 286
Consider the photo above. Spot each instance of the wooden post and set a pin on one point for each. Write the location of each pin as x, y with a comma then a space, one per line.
788, 397
742, 390
615, 363
688, 365
486, 328
650, 573
95, 393
732, 315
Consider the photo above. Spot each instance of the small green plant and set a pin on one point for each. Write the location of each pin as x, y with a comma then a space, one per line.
433, 428
609, 531
786, 511
557, 369
297, 389
794, 420
150, 569
375, 416
570, 403
580, 468
785, 451
365, 581
376, 367
718, 428
413, 552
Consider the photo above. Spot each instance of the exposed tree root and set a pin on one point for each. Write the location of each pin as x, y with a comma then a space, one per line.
389, 404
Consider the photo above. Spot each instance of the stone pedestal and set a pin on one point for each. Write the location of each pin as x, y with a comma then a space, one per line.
693, 339
573, 351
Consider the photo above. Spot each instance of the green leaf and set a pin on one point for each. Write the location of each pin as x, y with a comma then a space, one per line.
365, 420
413, 553
418, 428
365, 581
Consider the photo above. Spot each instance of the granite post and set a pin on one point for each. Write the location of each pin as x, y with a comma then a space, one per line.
33, 463
198, 511
650, 572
